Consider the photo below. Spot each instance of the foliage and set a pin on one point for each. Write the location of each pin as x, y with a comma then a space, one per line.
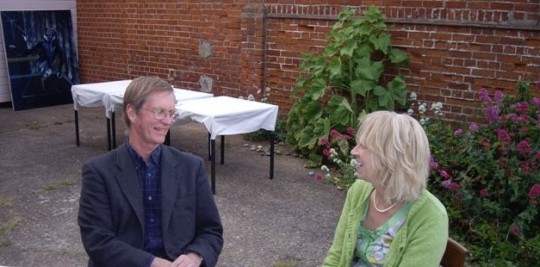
344, 81
488, 177
339, 166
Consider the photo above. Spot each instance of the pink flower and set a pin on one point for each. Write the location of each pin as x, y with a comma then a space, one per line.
484, 192
334, 133
536, 102
522, 108
458, 132
515, 230
524, 147
319, 177
474, 127
324, 141
326, 152
499, 96
444, 174
492, 113
450, 185
433, 164
484, 96
502, 136
350, 131
534, 192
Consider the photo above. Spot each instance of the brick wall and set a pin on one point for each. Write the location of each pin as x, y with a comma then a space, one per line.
456, 47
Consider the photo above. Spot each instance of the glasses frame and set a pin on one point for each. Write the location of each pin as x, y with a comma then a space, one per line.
161, 113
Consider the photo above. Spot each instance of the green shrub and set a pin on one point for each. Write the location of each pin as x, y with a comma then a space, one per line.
344, 81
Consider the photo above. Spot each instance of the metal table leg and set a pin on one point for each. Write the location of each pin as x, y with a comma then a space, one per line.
213, 165
77, 140
113, 127
272, 140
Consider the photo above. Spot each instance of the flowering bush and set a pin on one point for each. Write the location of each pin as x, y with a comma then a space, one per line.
488, 177
339, 166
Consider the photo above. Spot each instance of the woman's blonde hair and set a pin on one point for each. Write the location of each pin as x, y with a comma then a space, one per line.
400, 151
139, 89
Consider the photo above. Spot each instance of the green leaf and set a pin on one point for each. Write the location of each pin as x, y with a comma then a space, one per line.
340, 112
318, 86
398, 57
348, 49
334, 67
361, 87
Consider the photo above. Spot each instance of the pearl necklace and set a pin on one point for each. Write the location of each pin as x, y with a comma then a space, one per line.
375, 204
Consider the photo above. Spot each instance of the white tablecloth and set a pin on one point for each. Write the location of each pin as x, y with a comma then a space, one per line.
225, 115
97, 94
111, 95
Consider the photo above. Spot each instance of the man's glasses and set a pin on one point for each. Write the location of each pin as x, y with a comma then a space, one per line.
160, 113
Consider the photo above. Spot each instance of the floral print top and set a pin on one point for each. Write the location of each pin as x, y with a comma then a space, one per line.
372, 246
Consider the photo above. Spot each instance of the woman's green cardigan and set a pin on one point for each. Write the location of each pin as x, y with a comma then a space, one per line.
421, 241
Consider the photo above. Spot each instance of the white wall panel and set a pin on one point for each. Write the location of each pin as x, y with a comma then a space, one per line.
13, 5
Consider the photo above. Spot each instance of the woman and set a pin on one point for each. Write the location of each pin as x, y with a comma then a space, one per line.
389, 218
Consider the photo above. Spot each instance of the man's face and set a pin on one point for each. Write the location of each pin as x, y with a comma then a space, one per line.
145, 127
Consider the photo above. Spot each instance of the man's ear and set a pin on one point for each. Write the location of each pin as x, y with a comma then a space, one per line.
131, 112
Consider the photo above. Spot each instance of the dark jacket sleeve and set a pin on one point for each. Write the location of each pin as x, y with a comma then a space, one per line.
97, 223
195, 211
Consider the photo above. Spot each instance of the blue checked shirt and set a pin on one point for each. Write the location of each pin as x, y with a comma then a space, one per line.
149, 178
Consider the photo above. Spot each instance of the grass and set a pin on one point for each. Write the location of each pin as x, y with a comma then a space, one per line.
6, 201
33, 126
57, 185
287, 262
6, 228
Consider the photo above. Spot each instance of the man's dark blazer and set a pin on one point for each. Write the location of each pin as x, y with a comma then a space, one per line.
111, 214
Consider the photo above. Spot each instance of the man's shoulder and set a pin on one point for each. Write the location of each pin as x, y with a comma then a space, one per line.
105, 158
182, 155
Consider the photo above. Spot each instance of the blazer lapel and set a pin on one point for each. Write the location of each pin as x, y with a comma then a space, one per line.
169, 185
127, 179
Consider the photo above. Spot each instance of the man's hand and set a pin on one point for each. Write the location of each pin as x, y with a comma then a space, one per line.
159, 262
188, 260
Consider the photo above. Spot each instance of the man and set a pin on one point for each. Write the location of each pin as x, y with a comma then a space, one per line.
146, 204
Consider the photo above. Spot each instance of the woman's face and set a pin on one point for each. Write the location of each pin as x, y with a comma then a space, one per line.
364, 157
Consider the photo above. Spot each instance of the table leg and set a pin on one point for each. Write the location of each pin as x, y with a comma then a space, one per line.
109, 133
272, 141
222, 149
213, 165
168, 138
77, 140
209, 148
113, 127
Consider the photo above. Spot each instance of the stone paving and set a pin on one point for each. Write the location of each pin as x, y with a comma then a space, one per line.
287, 221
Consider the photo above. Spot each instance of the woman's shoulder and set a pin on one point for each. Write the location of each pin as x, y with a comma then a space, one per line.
429, 203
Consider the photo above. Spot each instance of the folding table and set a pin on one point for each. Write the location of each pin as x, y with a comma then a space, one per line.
110, 95
223, 115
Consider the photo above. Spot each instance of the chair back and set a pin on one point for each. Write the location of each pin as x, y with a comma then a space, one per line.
454, 255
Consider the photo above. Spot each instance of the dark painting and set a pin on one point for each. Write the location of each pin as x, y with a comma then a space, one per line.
42, 57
